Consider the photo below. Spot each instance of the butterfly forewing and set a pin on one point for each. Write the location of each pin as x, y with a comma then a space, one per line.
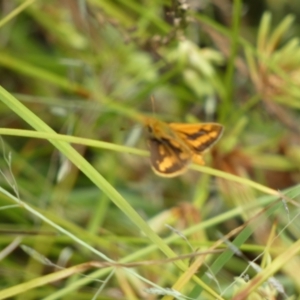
198, 137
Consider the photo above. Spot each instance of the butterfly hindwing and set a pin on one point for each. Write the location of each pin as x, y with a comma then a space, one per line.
167, 157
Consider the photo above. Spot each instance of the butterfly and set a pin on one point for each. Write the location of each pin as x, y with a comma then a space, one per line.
173, 146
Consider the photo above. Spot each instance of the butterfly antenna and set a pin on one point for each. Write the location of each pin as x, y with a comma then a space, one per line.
153, 105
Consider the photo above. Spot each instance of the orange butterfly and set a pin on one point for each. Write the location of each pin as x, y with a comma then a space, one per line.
174, 146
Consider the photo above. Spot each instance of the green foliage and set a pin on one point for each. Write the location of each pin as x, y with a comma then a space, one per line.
82, 214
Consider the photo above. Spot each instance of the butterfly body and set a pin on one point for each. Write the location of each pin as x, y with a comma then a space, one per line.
174, 146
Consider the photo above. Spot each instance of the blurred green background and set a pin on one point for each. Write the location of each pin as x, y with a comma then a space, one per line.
88, 69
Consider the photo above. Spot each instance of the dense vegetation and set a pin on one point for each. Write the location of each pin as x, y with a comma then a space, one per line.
82, 214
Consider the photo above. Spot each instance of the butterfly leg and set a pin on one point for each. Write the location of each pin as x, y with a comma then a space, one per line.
198, 159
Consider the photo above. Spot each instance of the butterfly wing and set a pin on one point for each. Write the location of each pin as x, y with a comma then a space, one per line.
167, 157
198, 137
173, 146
